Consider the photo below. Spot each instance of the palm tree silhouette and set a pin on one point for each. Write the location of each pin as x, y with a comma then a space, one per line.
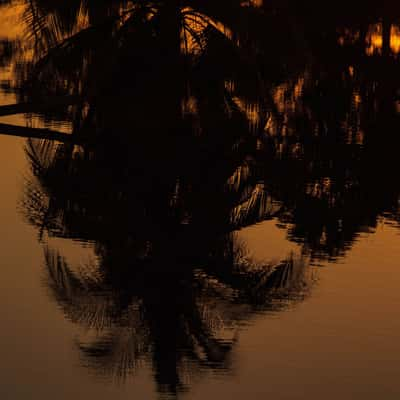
184, 132
298, 123
185, 321
165, 245
158, 173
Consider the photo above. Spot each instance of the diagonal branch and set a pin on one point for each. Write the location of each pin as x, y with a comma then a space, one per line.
37, 133
44, 105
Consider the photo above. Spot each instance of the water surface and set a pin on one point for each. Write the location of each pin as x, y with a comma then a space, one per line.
199, 200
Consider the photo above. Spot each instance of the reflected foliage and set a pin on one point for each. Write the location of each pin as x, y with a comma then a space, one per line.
191, 120
162, 177
184, 321
320, 144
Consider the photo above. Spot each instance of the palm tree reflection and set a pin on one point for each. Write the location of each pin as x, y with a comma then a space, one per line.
320, 126
164, 175
188, 132
186, 321
172, 279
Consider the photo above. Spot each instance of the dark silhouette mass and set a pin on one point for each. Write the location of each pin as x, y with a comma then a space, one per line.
189, 121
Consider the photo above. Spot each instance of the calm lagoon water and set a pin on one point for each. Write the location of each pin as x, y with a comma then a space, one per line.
212, 215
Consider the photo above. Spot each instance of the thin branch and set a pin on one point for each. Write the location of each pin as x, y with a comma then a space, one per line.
37, 133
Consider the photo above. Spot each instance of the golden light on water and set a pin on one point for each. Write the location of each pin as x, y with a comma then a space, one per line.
233, 219
374, 39
395, 39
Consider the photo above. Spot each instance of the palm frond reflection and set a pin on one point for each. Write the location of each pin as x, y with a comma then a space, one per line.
191, 121
183, 322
